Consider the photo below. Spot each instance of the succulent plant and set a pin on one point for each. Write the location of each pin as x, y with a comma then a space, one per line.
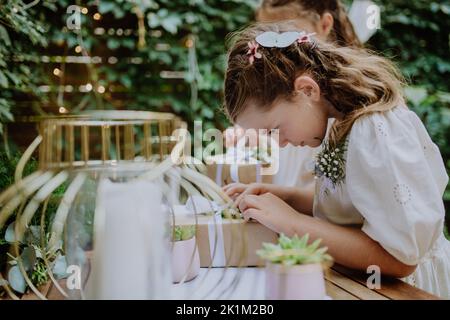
184, 232
295, 251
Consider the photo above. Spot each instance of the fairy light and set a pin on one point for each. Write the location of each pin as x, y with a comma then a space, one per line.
101, 89
96, 59
56, 72
84, 10
136, 60
112, 60
62, 110
78, 49
97, 16
88, 87
99, 31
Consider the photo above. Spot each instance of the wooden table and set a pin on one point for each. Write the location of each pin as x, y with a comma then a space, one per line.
345, 284
341, 284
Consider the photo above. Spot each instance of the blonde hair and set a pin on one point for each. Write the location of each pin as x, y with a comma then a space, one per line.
356, 81
342, 32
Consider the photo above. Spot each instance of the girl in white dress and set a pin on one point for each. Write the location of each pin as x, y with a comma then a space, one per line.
380, 178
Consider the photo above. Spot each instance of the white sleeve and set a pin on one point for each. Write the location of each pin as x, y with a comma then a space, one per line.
392, 183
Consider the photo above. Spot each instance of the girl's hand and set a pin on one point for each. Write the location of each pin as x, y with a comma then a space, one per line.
270, 211
239, 190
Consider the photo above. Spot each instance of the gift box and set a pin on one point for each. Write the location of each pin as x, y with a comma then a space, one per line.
228, 242
240, 165
223, 173
231, 242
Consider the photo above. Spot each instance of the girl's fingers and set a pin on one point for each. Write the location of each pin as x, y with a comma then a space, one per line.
248, 191
251, 213
232, 185
238, 188
249, 201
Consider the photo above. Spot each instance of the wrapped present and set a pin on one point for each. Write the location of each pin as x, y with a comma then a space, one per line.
240, 165
231, 242
223, 237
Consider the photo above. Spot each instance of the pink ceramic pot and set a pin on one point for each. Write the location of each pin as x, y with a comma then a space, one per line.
299, 282
181, 260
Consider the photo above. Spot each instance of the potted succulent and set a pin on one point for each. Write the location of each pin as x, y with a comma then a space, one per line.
185, 256
294, 268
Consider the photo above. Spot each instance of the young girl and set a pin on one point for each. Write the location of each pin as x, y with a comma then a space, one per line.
380, 178
329, 20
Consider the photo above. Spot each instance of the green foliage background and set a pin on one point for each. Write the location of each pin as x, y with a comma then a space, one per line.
413, 33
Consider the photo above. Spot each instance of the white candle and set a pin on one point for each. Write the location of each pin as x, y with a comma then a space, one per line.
131, 244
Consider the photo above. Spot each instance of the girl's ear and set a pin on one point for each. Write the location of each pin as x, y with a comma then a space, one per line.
325, 24
307, 86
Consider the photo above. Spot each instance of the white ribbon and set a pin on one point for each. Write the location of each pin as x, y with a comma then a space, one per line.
197, 204
258, 172
234, 172
219, 169
216, 249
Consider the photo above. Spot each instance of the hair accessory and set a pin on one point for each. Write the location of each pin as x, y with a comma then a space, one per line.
252, 52
272, 39
306, 38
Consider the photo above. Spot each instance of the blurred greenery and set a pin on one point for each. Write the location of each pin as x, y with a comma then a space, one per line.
174, 30
188, 37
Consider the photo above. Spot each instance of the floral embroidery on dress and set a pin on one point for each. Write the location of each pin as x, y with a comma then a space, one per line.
381, 128
402, 193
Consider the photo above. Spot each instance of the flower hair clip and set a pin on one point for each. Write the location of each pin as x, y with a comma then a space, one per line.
252, 52
306, 38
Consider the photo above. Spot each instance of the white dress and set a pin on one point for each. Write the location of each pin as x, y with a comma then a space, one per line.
296, 167
394, 183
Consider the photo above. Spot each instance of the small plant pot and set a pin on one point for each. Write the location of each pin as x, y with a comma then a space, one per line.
298, 282
181, 260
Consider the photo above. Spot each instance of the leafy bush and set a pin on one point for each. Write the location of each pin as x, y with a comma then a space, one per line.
186, 37
19, 30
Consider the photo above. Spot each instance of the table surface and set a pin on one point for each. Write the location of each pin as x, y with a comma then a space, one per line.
248, 284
